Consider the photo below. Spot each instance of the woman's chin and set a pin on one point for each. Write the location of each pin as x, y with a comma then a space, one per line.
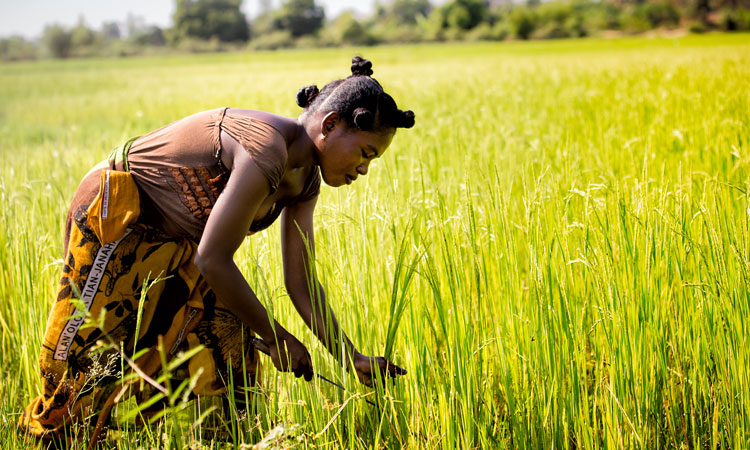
335, 182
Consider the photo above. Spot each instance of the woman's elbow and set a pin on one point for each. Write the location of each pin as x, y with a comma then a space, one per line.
208, 265
201, 262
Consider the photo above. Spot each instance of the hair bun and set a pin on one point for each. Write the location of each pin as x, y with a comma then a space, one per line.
364, 119
407, 119
361, 66
306, 95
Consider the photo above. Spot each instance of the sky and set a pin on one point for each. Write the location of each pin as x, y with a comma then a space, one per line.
28, 17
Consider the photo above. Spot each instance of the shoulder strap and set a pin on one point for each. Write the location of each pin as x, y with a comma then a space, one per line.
120, 154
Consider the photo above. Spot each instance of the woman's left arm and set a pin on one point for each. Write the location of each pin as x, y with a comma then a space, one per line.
298, 250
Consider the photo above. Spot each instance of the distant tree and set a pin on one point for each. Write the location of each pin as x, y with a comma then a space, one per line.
658, 13
459, 17
142, 34
263, 23
523, 22
701, 9
81, 35
206, 19
405, 12
16, 48
346, 29
148, 35
299, 17
462, 14
110, 31
133, 24
57, 40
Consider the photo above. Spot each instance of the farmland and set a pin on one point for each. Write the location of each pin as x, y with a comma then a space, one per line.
576, 213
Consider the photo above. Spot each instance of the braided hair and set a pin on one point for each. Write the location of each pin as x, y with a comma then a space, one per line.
358, 99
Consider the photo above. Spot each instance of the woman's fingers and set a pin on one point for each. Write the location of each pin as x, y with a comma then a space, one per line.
291, 356
371, 368
299, 361
389, 368
304, 368
394, 370
365, 378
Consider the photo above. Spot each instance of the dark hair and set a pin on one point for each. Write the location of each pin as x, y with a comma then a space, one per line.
358, 99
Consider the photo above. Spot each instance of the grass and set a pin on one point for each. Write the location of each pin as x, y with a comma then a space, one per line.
575, 213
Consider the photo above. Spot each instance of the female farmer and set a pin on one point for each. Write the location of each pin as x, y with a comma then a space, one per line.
173, 206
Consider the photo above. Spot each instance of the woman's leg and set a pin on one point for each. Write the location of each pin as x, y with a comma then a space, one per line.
106, 283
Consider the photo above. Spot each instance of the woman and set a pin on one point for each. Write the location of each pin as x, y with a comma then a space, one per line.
151, 235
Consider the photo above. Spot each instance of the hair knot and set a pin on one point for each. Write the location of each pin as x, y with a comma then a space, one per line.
306, 95
406, 120
363, 118
361, 66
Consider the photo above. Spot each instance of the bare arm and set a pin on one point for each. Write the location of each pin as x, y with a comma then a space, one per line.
225, 230
298, 249
304, 289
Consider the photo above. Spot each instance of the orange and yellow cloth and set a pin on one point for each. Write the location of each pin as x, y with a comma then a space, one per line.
110, 258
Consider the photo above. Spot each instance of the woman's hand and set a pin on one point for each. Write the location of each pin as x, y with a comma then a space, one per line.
367, 368
291, 356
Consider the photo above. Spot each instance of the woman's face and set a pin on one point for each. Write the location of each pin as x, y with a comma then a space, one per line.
345, 153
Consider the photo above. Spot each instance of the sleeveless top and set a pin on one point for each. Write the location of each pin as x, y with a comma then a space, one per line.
180, 175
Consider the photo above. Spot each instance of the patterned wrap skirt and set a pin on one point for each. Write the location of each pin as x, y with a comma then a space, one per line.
138, 291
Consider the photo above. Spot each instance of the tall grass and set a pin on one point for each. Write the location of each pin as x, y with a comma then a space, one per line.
579, 209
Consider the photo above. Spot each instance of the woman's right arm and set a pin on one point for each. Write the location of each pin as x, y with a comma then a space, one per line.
225, 230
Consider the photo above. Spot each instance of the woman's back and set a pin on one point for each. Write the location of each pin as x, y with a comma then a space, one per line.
180, 172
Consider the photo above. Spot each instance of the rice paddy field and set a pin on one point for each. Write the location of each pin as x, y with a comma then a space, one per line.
558, 252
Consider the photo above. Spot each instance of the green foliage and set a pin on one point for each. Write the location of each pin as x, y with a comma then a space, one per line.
347, 30
697, 27
737, 19
206, 19
657, 14
82, 36
633, 23
559, 20
194, 45
523, 22
404, 12
110, 31
461, 14
16, 48
57, 40
299, 17
84, 41
600, 16
149, 36
487, 32
273, 40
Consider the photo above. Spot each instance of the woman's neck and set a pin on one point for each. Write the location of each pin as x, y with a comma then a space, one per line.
301, 149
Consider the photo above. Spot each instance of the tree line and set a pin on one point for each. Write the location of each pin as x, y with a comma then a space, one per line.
215, 25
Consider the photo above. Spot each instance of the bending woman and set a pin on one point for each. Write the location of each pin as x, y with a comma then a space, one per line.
175, 205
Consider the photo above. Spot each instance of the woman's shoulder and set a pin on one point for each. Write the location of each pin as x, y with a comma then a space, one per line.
262, 136
285, 126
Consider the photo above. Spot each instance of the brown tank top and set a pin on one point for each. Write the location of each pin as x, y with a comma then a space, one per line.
180, 174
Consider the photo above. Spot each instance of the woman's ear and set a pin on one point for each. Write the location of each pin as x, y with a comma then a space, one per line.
328, 123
